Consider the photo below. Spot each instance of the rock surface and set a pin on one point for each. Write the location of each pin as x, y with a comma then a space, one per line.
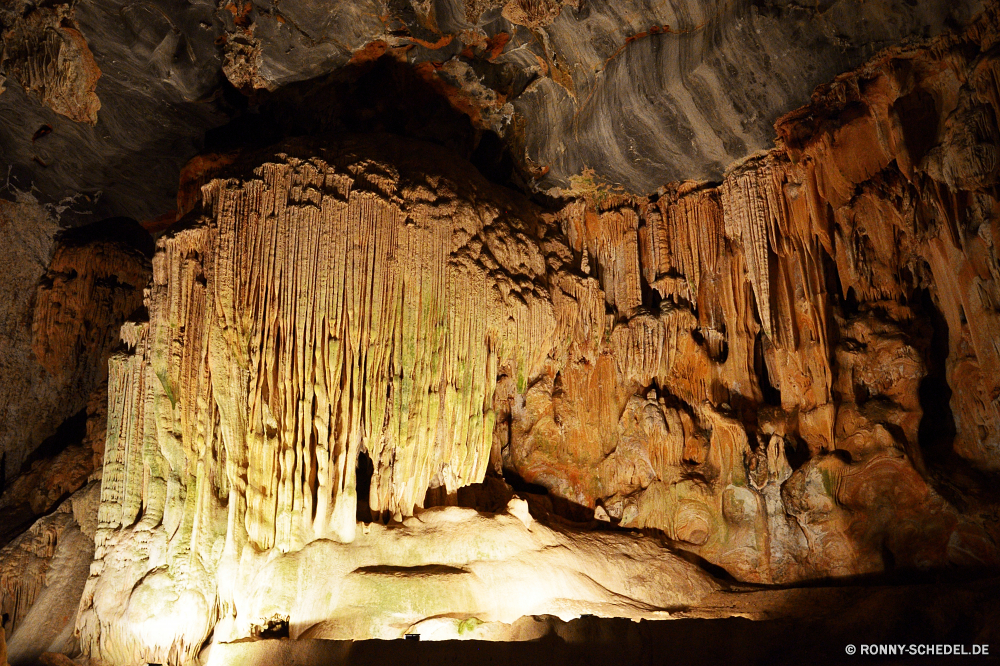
789, 374
45, 53
800, 379
63, 324
361, 298
28, 232
639, 92
758, 369
42, 574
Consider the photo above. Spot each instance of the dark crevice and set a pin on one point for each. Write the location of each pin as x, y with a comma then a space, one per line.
274, 627
918, 116
519, 485
714, 570
113, 230
363, 475
380, 96
955, 478
772, 396
796, 451
17, 518
544, 504
936, 432
851, 305
71, 431
843, 456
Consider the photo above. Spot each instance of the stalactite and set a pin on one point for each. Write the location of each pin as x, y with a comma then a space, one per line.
744, 367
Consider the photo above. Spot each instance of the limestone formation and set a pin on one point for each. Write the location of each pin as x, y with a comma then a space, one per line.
63, 325
362, 297
42, 574
95, 279
46, 54
791, 346
792, 374
71, 294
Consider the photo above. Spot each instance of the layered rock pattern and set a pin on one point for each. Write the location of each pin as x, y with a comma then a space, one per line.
640, 92
45, 52
791, 346
70, 295
791, 373
363, 297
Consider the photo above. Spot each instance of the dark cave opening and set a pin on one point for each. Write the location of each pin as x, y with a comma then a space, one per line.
771, 394
379, 96
851, 304
363, 484
918, 116
936, 432
273, 627
955, 478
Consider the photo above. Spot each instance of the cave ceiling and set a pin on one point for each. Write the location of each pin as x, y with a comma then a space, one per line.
630, 94
359, 320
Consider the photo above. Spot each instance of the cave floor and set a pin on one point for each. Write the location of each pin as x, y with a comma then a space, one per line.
802, 625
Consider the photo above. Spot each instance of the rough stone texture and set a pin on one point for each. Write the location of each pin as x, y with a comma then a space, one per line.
640, 92
363, 297
94, 281
42, 574
53, 477
159, 71
44, 52
792, 374
72, 311
26, 243
801, 379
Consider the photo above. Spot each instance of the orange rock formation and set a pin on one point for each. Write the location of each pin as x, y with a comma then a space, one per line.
766, 370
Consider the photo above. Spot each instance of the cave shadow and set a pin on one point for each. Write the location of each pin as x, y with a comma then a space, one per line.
124, 230
383, 95
955, 478
813, 627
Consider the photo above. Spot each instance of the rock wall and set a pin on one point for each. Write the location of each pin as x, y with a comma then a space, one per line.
63, 321
42, 575
801, 377
28, 232
71, 293
361, 297
640, 92
45, 52
792, 373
